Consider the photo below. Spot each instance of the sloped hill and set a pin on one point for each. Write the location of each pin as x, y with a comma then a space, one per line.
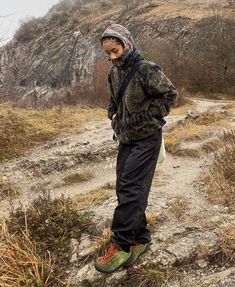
53, 59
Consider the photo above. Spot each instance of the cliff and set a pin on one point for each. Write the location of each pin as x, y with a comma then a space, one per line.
62, 50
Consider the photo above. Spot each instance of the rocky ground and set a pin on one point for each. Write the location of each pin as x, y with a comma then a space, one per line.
185, 217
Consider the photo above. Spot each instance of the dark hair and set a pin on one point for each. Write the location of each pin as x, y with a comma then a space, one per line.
117, 40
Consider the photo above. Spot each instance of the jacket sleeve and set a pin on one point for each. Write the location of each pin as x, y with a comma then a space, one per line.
112, 106
160, 89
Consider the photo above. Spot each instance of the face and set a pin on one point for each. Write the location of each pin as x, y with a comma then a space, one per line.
113, 49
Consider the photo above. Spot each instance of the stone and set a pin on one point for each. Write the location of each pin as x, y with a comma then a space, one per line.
88, 273
86, 246
74, 245
115, 278
202, 263
164, 259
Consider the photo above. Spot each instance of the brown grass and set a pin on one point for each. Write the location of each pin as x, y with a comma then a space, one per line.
181, 110
151, 220
101, 243
160, 178
211, 146
109, 185
221, 187
179, 206
21, 129
223, 253
172, 9
192, 129
20, 264
94, 197
7, 189
78, 177
149, 276
38, 241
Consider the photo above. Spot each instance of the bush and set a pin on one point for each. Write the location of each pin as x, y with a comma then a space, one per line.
59, 18
94, 95
202, 62
30, 29
49, 226
221, 173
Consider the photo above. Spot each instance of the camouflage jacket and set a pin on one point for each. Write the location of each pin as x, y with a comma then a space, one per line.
146, 101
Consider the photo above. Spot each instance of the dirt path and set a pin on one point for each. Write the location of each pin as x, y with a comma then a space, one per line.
176, 189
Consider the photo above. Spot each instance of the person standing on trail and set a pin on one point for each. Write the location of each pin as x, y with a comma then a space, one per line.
140, 97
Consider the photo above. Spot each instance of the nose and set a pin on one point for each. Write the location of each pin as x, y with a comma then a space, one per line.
113, 56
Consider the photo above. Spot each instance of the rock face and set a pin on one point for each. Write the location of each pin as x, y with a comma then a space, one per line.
50, 55
65, 49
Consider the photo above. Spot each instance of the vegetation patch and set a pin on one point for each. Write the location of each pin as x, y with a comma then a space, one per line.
7, 189
148, 276
109, 185
221, 176
22, 129
47, 226
182, 106
192, 128
94, 197
30, 29
21, 264
179, 206
78, 177
219, 142
103, 241
152, 220
223, 253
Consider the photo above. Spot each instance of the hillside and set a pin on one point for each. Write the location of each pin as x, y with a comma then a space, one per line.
57, 59
58, 201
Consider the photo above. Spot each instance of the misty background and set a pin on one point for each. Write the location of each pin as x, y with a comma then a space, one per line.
13, 11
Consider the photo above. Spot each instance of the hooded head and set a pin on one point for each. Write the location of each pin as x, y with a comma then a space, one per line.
124, 38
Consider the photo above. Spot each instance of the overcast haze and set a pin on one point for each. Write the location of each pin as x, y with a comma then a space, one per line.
19, 9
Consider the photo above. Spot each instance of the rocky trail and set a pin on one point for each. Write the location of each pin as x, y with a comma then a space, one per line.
185, 217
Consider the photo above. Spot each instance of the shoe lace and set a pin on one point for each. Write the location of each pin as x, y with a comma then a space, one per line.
136, 246
109, 253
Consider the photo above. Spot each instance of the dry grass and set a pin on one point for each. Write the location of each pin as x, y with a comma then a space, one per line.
224, 252
101, 243
151, 220
7, 189
179, 206
78, 177
183, 105
21, 129
211, 146
217, 143
109, 185
49, 225
160, 178
172, 9
20, 263
192, 129
94, 197
221, 188
149, 276
230, 108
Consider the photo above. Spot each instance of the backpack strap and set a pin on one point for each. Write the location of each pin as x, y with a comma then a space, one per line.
126, 81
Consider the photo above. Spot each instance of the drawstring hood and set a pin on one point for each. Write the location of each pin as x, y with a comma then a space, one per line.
131, 53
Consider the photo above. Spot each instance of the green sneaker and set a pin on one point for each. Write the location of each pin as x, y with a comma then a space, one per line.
114, 258
137, 250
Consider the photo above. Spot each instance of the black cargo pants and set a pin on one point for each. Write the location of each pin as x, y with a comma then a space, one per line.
135, 167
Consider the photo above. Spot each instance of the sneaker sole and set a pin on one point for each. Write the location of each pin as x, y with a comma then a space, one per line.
108, 272
131, 262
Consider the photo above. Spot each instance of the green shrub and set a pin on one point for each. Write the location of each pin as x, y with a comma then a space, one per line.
30, 29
